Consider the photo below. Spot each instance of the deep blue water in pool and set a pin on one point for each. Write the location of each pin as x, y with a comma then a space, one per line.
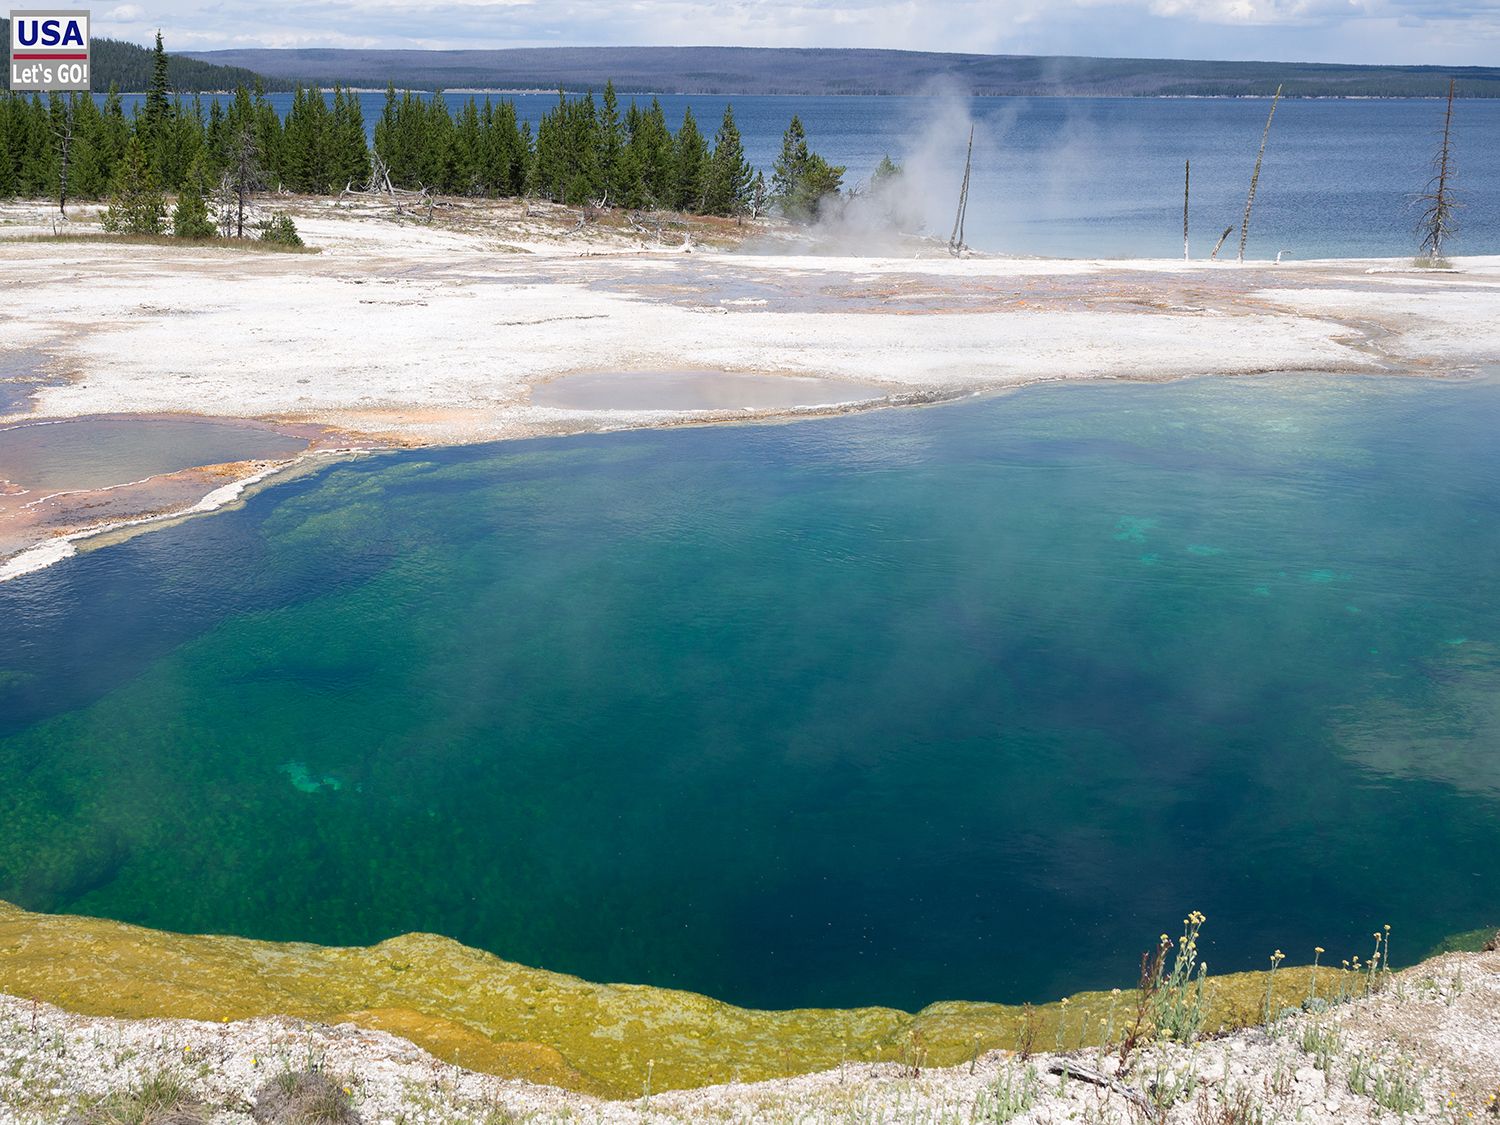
970, 701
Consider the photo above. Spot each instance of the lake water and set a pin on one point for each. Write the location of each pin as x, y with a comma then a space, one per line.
967, 701
1102, 177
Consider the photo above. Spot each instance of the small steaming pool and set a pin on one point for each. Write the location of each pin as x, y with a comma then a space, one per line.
699, 390
98, 452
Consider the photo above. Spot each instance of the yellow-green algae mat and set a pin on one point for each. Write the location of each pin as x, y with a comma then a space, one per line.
473, 1009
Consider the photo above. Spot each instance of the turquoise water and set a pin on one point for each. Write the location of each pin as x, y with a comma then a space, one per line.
969, 701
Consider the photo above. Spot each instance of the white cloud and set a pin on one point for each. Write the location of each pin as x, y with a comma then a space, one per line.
1391, 31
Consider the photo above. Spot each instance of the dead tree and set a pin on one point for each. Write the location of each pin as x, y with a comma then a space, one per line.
1255, 176
1219, 245
241, 179
1438, 204
1187, 175
62, 129
956, 239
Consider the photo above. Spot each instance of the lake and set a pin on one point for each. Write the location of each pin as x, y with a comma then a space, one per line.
1102, 177
968, 701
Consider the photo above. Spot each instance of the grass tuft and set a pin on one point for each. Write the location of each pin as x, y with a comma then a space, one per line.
161, 1098
305, 1097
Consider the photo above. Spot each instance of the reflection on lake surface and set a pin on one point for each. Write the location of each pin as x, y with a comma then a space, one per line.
970, 701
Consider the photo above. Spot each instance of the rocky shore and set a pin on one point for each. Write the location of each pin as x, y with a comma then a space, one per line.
1423, 1047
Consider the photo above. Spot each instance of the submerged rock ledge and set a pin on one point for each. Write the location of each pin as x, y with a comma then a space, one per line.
474, 1010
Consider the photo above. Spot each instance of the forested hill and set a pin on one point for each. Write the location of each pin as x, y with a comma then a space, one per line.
129, 67
764, 70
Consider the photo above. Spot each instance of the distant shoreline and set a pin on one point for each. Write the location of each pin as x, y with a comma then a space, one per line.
504, 91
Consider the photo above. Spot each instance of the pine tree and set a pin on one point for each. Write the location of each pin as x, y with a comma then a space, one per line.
791, 165
190, 218
689, 165
35, 150
268, 138
157, 106
468, 151
386, 128
612, 148
727, 191
436, 144
348, 159
136, 205
655, 155
92, 161
803, 180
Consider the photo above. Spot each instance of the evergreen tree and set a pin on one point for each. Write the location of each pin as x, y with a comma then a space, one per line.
886, 171
386, 127
468, 151
790, 166
727, 190
267, 138
612, 148
505, 150
435, 145
190, 218
689, 165
652, 145
136, 205
93, 162
280, 230
350, 162
157, 106
179, 138
803, 181
36, 149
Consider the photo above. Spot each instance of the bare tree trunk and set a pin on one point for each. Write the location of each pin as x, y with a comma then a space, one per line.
64, 135
1187, 175
1218, 245
1437, 216
956, 240
1255, 176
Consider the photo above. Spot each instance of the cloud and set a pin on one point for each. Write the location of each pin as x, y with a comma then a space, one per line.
1389, 31
1259, 12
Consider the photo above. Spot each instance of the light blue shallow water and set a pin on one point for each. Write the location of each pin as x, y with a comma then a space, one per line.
1102, 177
969, 701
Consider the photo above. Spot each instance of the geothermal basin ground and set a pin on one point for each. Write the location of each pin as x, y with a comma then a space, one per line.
497, 321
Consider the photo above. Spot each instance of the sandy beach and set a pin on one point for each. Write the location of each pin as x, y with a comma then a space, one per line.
497, 321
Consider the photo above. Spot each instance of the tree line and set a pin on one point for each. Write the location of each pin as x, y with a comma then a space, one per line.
584, 151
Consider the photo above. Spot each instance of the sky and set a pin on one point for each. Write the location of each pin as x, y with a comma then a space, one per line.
1440, 32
